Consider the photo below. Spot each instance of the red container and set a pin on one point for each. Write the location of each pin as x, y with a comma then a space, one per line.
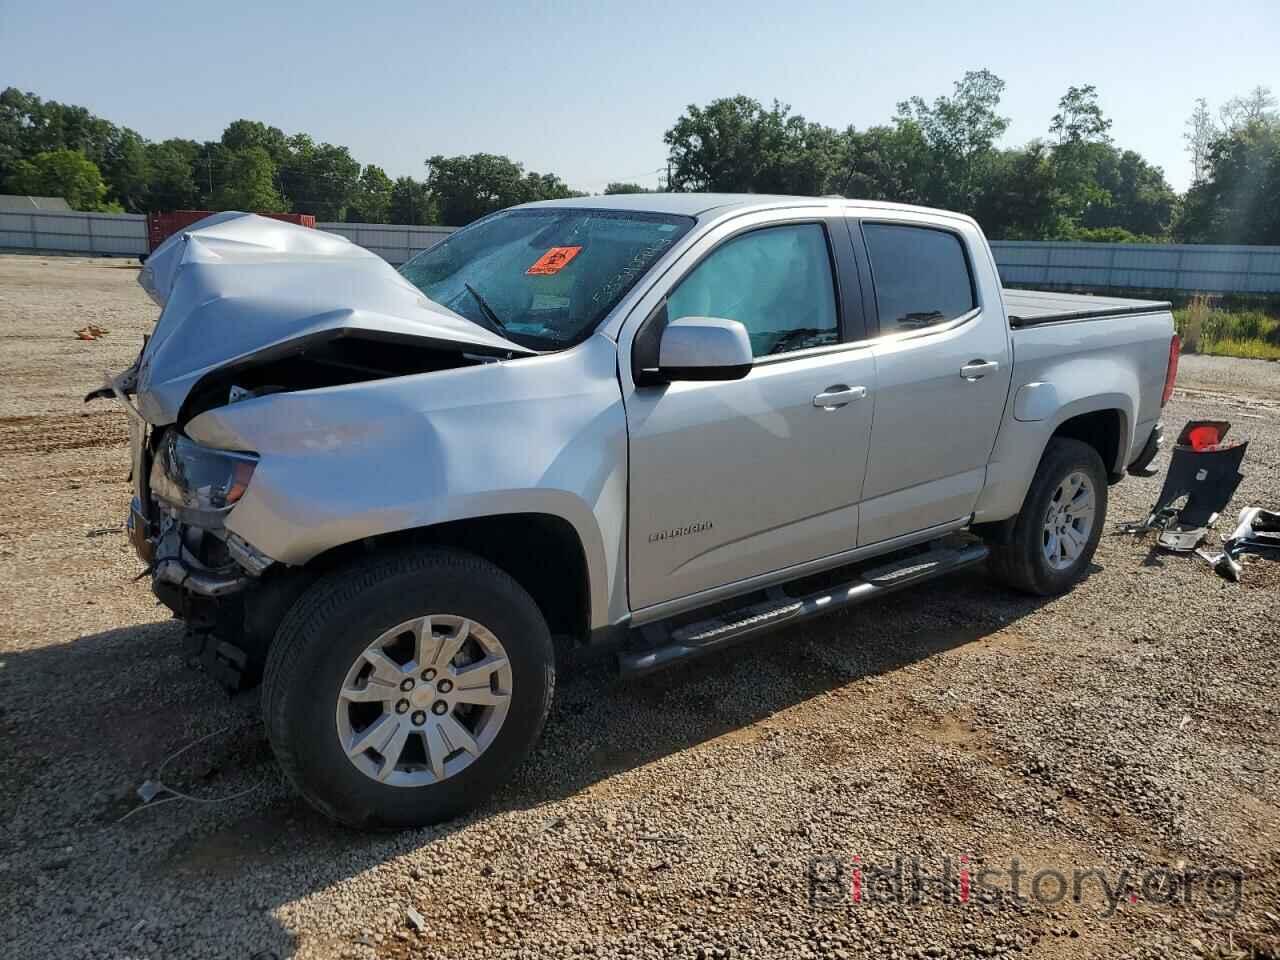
161, 226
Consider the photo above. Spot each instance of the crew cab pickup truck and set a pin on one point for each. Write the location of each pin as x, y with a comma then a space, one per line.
645, 421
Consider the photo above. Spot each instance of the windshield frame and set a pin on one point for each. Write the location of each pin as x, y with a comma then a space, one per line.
684, 223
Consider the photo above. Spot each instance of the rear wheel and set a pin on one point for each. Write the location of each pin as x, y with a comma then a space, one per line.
401, 691
1057, 531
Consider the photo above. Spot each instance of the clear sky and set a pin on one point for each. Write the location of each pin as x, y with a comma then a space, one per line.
587, 90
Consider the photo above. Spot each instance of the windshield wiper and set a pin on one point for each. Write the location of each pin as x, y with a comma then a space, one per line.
497, 325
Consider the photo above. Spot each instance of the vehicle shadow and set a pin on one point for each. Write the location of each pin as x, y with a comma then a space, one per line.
247, 863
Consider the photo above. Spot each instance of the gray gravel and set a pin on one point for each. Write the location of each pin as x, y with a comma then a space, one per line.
1130, 725
1229, 375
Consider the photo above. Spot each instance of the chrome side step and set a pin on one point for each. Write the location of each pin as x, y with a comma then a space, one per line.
706, 636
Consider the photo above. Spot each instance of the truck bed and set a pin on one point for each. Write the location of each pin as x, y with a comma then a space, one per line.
1030, 307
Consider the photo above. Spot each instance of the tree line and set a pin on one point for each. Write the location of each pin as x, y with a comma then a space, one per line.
54, 149
1072, 183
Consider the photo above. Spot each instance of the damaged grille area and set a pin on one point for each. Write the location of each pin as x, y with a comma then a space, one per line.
331, 359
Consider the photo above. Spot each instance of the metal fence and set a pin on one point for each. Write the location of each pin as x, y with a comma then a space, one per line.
125, 234
1206, 268
1137, 266
392, 242
48, 231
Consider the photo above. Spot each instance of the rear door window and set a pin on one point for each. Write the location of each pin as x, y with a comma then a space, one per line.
921, 276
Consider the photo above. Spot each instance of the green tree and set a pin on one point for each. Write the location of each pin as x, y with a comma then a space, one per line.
125, 171
618, 188
30, 126
171, 175
412, 203
735, 144
546, 186
1019, 199
241, 134
62, 173
960, 132
718, 148
1138, 197
1083, 147
1239, 200
1079, 118
466, 188
883, 163
319, 178
249, 183
1200, 133
371, 201
1257, 106
15, 113
1109, 235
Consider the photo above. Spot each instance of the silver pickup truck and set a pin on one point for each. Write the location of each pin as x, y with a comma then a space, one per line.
644, 421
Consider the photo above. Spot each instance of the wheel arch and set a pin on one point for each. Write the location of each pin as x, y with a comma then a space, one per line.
1104, 421
1105, 428
543, 552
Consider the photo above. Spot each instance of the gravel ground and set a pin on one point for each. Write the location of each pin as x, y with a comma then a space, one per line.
1130, 728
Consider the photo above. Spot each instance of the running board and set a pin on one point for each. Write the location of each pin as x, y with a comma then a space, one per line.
707, 636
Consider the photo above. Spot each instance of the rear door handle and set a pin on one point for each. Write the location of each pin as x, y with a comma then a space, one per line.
833, 398
977, 369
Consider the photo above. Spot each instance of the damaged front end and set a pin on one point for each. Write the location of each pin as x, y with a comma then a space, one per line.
252, 307
230, 595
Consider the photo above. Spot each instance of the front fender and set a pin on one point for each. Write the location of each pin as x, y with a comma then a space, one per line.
538, 435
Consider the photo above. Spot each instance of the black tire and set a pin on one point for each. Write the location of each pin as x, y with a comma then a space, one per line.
1021, 562
327, 630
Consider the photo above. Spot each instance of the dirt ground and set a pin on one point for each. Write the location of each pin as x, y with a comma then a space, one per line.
1130, 729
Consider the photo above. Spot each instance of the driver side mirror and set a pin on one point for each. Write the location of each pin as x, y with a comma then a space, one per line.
691, 348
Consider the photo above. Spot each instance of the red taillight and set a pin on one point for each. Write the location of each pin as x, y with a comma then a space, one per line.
1171, 374
1205, 437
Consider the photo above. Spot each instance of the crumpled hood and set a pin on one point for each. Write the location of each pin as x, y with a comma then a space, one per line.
235, 286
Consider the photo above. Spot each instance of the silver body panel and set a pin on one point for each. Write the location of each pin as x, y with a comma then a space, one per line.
934, 428
1086, 366
680, 494
538, 435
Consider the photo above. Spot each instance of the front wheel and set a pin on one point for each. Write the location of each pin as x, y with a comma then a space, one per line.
401, 691
1057, 531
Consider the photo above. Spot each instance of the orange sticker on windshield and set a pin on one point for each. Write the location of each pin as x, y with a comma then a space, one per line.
553, 261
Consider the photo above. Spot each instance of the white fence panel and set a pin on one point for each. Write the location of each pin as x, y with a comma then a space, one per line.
1149, 266
112, 234
1185, 267
395, 243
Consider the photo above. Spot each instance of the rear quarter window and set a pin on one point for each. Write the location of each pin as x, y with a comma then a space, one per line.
921, 276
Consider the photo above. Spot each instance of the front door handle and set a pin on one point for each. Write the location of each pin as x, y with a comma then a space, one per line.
833, 398
977, 369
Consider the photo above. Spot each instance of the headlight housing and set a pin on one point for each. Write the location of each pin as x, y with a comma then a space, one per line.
192, 477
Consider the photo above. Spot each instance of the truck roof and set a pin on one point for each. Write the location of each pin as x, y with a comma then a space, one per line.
698, 204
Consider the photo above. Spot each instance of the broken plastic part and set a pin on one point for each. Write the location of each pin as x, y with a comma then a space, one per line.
1207, 477
1203, 475
1181, 539
1258, 532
